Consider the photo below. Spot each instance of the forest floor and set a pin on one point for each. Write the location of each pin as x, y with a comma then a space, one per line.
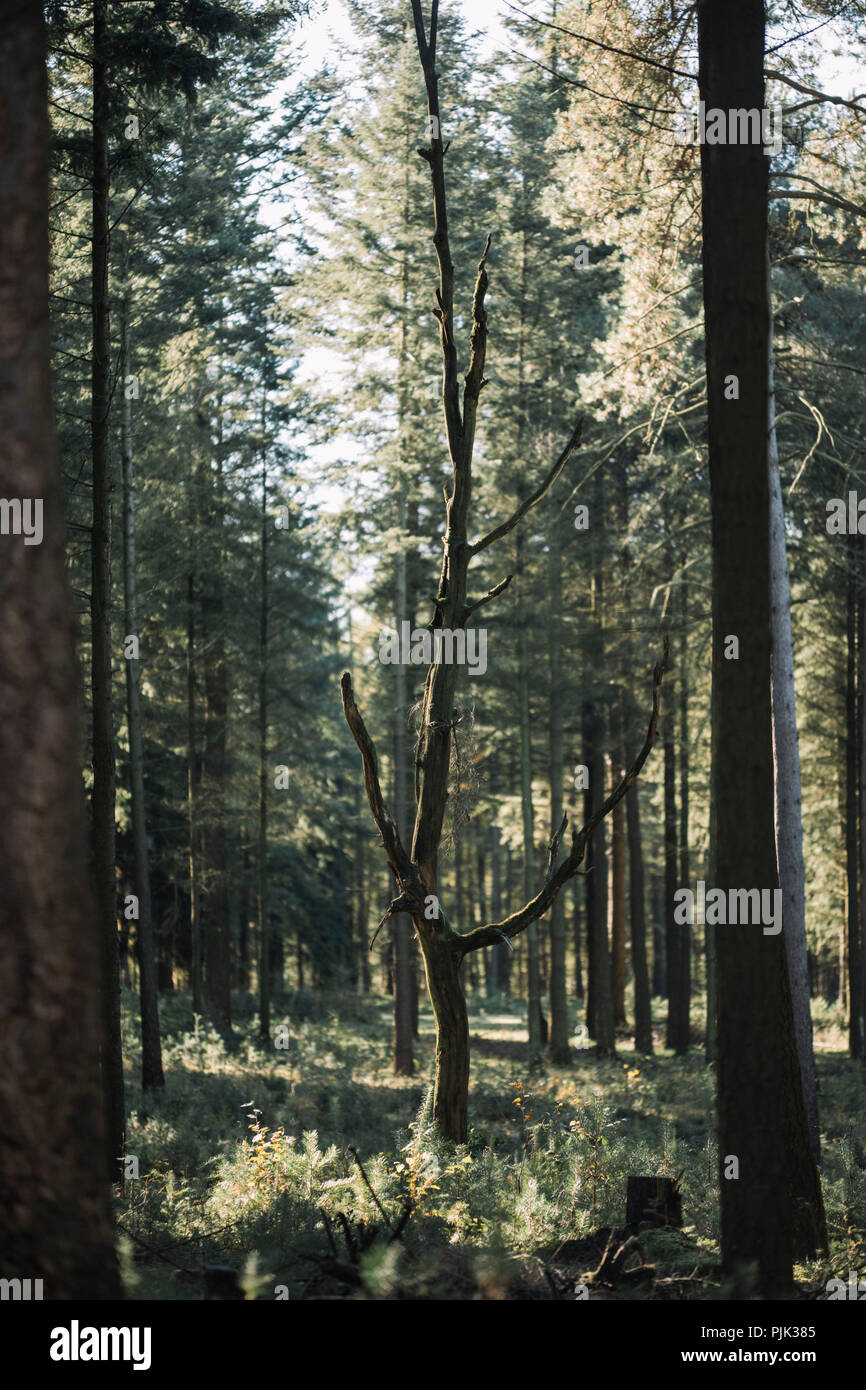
310, 1171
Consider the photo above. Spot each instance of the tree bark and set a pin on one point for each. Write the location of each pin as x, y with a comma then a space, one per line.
643, 1032
55, 1197
103, 795
560, 1052
263, 894
786, 770
617, 915
774, 1207
217, 940
152, 1077
685, 942
673, 933
854, 762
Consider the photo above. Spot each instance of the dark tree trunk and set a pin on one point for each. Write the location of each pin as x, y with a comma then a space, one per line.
617, 914
685, 943
217, 936
660, 985
55, 1197
560, 1053
575, 924
673, 932
643, 1032
103, 797
856, 600
599, 996
857, 940
773, 1209
263, 896
151, 1051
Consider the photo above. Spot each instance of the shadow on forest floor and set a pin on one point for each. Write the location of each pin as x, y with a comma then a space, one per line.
246, 1162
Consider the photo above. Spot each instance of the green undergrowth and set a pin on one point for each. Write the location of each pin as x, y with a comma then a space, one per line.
312, 1171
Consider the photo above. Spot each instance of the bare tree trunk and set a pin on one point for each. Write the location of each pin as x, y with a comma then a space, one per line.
55, 1216
151, 1052
532, 960
673, 938
217, 940
617, 914
575, 931
643, 1031
854, 763
498, 955
103, 796
560, 1053
415, 869
263, 895
772, 1209
193, 768
786, 767
685, 945
600, 1018
857, 944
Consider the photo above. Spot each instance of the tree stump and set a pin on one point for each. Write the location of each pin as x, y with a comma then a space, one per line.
653, 1201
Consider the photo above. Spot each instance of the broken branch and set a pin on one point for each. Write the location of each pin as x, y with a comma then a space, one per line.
499, 531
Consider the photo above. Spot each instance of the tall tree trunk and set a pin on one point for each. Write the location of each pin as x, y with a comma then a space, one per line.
560, 1052
103, 796
673, 937
575, 932
599, 996
854, 762
217, 937
263, 896
857, 940
660, 981
193, 778
617, 912
498, 955
151, 1051
643, 1030
786, 768
685, 943
772, 1208
529, 889
55, 1216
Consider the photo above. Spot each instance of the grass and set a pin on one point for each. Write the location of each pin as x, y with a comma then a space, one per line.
294, 1165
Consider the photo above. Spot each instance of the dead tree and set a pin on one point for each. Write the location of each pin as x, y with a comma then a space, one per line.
415, 869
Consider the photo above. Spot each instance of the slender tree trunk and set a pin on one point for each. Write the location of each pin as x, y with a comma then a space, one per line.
151, 1051
617, 914
643, 1031
103, 797
854, 609
55, 1214
685, 943
263, 902
403, 930
193, 767
660, 984
857, 940
600, 1019
560, 1052
575, 925
217, 936
529, 887
772, 1207
786, 767
673, 938
498, 955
